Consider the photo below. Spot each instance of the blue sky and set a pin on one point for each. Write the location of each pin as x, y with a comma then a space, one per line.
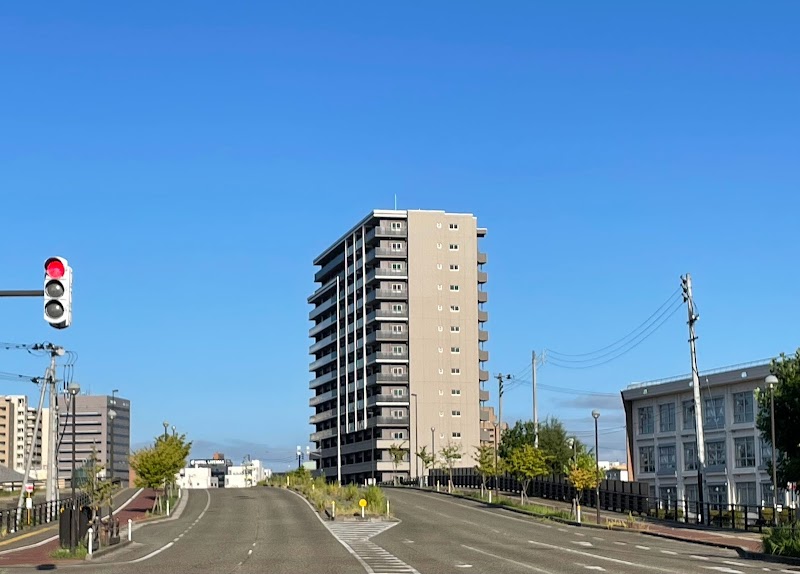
191, 159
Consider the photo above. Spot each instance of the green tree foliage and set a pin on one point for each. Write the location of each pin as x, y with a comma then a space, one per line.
485, 458
526, 463
98, 489
450, 454
553, 441
157, 465
583, 474
426, 457
787, 416
398, 454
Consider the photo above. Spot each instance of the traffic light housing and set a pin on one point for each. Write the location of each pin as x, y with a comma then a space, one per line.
58, 292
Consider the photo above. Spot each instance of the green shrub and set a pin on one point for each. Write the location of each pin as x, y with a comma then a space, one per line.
782, 541
376, 500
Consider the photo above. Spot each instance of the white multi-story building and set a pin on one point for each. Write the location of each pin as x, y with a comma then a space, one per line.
17, 422
662, 442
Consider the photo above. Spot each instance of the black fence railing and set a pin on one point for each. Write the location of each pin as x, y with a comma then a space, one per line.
630, 497
13, 519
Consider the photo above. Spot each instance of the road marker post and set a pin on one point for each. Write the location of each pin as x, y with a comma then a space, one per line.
91, 541
130, 524
363, 504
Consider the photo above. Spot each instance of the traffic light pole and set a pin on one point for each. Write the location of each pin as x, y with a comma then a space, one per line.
22, 293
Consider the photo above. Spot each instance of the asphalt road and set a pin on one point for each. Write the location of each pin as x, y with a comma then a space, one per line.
441, 534
244, 531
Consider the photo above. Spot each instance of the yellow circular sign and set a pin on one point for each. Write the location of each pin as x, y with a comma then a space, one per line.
362, 503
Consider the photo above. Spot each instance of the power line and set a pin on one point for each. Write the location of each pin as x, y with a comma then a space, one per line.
567, 357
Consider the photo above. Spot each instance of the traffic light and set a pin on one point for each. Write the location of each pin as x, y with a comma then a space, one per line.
58, 292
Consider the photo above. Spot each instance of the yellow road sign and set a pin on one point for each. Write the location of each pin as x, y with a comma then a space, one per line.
362, 503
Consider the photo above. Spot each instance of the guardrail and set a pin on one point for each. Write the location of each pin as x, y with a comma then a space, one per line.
14, 519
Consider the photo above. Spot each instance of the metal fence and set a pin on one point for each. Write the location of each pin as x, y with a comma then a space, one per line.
14, 519
630, 497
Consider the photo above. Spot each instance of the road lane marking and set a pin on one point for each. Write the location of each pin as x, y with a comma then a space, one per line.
160, 550
582, 543
732, 563
495, 556
723, 569
696, 557
670, 552
597, 538
620, 543
642, 547
600, 568
579, 534
599, 557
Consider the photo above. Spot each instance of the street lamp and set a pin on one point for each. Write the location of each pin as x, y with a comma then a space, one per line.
112, 414
433, 454
596, 415
771, 381
166, 424
299, 455
494, 470
174, 431
74, 389
416, 437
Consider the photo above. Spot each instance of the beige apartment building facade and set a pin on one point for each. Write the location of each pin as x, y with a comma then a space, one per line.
17, 424
398, 343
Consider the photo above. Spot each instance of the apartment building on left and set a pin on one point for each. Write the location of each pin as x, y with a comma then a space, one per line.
17, 424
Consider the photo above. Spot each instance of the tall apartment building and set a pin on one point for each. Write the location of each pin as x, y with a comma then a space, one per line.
17, 422
93, 428
662, 441
398, 342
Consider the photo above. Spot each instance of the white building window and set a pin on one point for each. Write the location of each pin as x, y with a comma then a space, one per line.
455, 413
454, 226
454, 247
397, 287
455, 329
398, 350
397, 308
455, 371
397, 247
398, 370
441, 372
456, 435
440, 328
439, 307
439, 266
455, 350
441, 349
397, 266
453, 267
455, 392
453, 287
398, 414
438, 246
397, 328
398, 435
398, 392
454, 308
397, 225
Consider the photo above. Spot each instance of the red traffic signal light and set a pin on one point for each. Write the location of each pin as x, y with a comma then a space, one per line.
54, 267
58, 292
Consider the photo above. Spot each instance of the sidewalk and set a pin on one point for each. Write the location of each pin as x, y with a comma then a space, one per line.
36, 551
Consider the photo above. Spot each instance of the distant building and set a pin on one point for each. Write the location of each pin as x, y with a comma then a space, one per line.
614, 470
17, 422
93, 427
217, 467
489, 425
662, 442
398, 342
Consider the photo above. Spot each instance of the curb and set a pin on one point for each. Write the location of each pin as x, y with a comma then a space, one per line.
770, 557
107, 549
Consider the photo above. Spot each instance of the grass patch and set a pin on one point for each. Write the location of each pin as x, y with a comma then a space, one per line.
321, 494
80, 552
533, 508
782, 541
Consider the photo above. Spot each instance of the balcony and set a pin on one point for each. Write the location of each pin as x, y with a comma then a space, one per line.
391, 253
483, 316
387, 422
324, 324
487, 435
386, 273
388, 378
319, 417
383, 231
483, 396
387, 314
484, 414
322, 361
483, 375
329, 268
483, 297
386, 335
323, 434
482, 259
322, 343
483, 336
483, 355
390, 356
322, 379
394, 399
483, 277
387, 294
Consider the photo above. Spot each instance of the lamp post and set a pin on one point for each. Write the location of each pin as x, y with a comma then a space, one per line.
174, 431
299, 456
771, 381
112, 414
166, 425
433, 453
416, 437
166, 484
496, 473
596, 415
74, 389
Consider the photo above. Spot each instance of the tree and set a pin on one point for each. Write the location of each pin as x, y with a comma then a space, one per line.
488, 464
426, 457
583, 475
526, 463
553, 442
157, 465
450, 454
398, 454
787, 416
99, 490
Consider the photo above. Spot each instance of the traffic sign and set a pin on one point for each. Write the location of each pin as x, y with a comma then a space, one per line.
362, 503
28, 488
28, 503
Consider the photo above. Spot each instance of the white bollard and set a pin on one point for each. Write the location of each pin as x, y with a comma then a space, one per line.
130, 524
387, 508
362, 512
333, 509
167, 507
91, 540
490, 497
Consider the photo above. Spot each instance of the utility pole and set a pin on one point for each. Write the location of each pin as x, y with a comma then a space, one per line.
51, 485
686, 284
500, 378
29, 459
535, 411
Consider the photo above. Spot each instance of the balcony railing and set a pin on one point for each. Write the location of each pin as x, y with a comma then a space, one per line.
387, 399
387, 294
483, 277
483, 355
386, 314
483, 316
482, 259
483, 375
383, 335
483, 396
483, 297
391, 356
387, 421
388, 252
483, 336
382, 231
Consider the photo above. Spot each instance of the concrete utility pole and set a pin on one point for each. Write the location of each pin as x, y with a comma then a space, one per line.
29, 459
51, 485
686, 284
535, 411
500, 378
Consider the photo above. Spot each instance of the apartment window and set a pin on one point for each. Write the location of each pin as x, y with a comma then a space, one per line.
398, 371
398, 414
397, 308
454, 308
398, 350
646, 420
454, 226
743, 407
715, 453
455, 413
398, 392
399, 435
453, 267
454, 247
455, 392
714, 413
666, 457
397, 328
397, 246
455, 371
688, 415
397, 287
718, 494
455, 350
746, 493
455, 329
441, 372
456, 435
666, 415
690, 492
766, 493
397, 266
745, 451
647, 462
766, 453
397, 225
453, 287
689, 456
